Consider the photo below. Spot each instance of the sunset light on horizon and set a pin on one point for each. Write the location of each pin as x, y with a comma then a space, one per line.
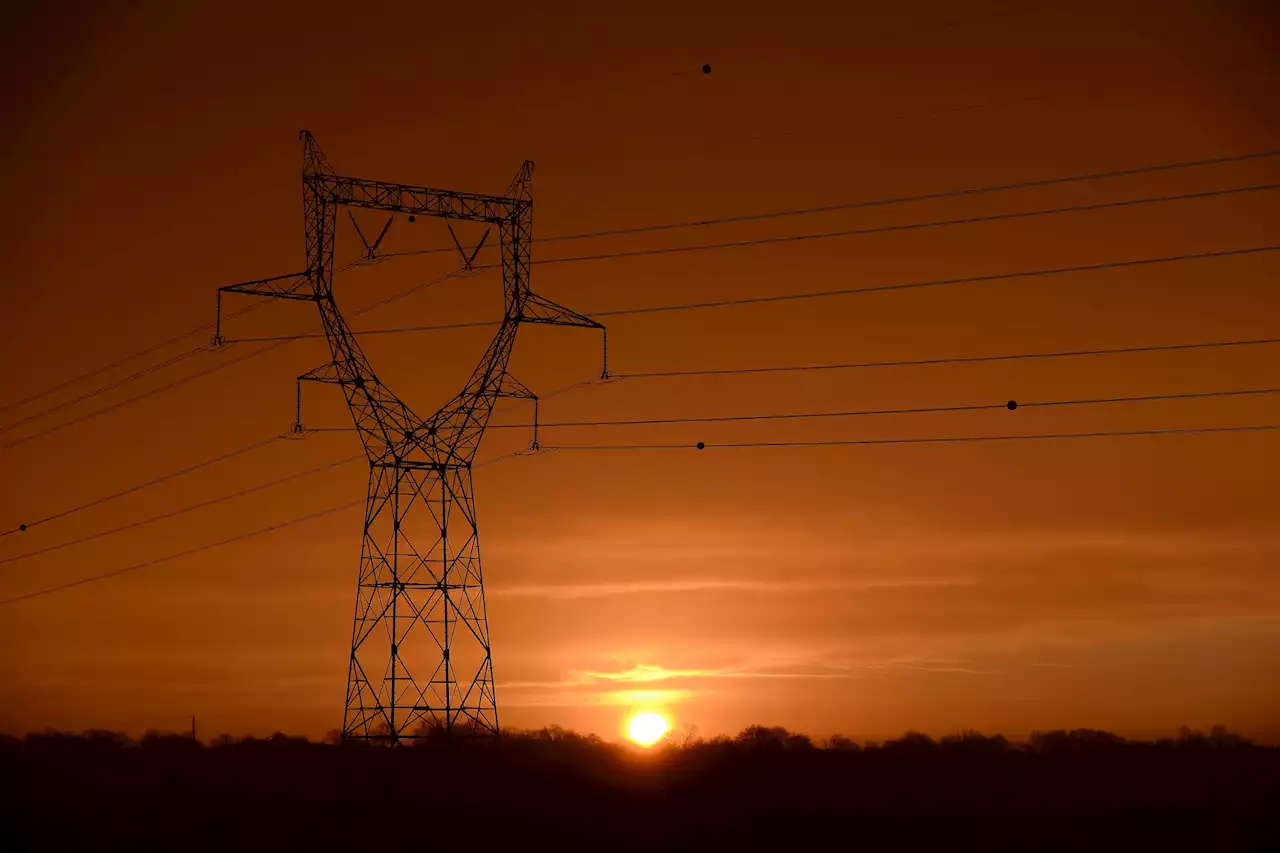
647, 727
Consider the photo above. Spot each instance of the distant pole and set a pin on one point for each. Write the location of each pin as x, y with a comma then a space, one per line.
193, 726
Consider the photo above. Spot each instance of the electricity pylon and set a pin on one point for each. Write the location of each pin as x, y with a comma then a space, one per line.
420, 649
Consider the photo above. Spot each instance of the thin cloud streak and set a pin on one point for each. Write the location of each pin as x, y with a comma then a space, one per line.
569, 699
600, 590
645, 673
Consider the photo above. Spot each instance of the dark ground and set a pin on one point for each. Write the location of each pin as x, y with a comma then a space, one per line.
765, 789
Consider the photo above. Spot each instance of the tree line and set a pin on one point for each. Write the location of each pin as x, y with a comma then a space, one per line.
551, 788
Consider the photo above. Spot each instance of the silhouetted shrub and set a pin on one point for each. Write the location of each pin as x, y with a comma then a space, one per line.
914, 741
975, 741
841, 743
1076, 740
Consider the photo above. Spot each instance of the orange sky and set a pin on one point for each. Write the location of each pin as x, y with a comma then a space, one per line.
151, 156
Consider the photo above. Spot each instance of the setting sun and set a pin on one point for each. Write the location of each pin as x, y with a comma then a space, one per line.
647, 728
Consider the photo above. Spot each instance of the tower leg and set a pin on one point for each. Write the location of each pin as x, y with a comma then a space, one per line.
420, 652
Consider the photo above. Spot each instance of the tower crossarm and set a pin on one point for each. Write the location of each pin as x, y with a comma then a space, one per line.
295, 285
539, 309
326, 373
421, 201
512, 387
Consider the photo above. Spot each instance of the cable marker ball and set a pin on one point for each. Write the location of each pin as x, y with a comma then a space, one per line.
1013, 404
706, 69
701, 445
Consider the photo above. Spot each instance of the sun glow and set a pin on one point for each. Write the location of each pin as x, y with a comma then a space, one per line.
647, 728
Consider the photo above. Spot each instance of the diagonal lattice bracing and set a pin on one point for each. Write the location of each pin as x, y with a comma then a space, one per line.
421, 654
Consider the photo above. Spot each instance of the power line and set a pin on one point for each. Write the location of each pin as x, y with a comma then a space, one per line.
904, 199
88, 395
684, 225
636, 422
625, 447
516, 404
972, 359
631, 311
222, 458
556, 393
126, 360
328, 466
910, 226
182, 511
972, 407
187, 553
918, 410
409, 291
192, 377
1148, 398
212, 545
231, 454
928, 440
823, 294
277, 340
306, 336
882, 202
169, 362
706, 247
977, 279
137, 397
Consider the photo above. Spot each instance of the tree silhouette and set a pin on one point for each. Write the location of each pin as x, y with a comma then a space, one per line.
975, 741
841, 743
911, 741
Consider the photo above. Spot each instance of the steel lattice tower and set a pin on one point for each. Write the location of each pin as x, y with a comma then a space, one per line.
420, 648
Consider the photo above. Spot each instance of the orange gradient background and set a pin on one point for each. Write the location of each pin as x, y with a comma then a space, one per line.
151, 156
